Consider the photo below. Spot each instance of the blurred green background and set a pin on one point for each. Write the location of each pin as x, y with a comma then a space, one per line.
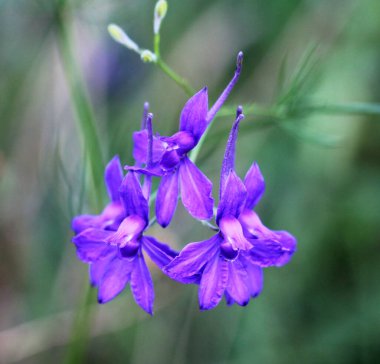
322, 169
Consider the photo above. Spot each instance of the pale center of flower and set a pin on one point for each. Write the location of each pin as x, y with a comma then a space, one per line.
176, 148
233, 233
129, 230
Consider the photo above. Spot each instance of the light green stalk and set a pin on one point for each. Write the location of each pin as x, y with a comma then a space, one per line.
180, 81
82, 107
87, 127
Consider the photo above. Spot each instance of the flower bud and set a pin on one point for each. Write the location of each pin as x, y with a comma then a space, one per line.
160, 11
147, 56
121, 37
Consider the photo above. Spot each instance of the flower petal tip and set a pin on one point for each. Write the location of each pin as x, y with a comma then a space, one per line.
239, 61
206, 307
92, 283
203, 308
163, 224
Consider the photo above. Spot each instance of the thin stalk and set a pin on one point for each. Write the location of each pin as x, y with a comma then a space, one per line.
87, 127
183, 83
81, 105
180, 81
156, 45
195, 152
358, 108
80, 331
251, 110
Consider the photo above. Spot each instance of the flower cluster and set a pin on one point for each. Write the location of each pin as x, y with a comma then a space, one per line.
228, 264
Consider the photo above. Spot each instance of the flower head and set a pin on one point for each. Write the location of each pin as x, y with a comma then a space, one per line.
115, 252
171, 162
230, 263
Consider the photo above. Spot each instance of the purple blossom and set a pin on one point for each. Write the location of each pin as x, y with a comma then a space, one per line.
115, 251
230, 263
171, 162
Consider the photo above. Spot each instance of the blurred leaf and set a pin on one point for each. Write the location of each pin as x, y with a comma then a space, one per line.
356, 108
281, 78
295, 128
303, 80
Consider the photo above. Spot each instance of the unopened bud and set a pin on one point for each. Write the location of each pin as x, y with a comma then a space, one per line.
160, 11
121, 37
239, 61
239, 111
148, 56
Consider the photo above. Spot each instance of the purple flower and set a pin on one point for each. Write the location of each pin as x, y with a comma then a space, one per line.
230, 263
171, 162
115, 252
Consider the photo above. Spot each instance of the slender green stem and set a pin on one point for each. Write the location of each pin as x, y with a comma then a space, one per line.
92, 147
175, 77
81, 327
195, 152
170, 72
358, 108
82, 107
156, 45
251, 110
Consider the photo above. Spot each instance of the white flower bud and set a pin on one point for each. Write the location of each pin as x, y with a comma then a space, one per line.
147, 56
160, 11
121, 37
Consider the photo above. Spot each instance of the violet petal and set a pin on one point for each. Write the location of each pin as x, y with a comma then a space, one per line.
269, 247
245, 281
255, 276
196, 190
83, 222
140, 147
233, 233
267, 253
193, 115
228, 164
130, 229
233, 198
183, 141
113, 213
133, 198
229, 300
167, 198
98, 268
113, 177
237, 283
223, 97
169, 160
91, 244
114, 279
155, 171
193, 258
161, 254
255, 185
213, 283
142, 285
